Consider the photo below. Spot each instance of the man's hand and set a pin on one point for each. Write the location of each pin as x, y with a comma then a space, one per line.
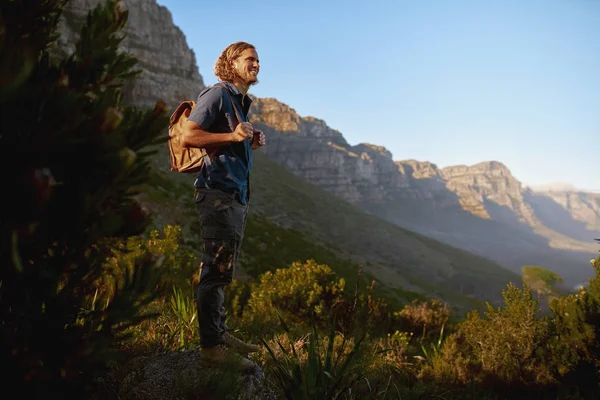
258, 139
242, 132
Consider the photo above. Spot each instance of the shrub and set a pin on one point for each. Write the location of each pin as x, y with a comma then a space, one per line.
505, 344
424, 317
501, 349
574, 348
318, 369
297, 292
176, 326
451, 365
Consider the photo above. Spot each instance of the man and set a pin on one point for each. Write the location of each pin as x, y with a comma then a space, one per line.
219, 123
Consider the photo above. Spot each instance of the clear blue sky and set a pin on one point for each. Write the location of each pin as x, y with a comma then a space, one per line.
449, 81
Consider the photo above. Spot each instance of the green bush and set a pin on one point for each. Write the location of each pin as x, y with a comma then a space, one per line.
176, 324
574, 348
513, 350
178, 263
426, 318
296, 292
501, 349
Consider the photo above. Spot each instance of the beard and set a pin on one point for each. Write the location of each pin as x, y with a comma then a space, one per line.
248, 78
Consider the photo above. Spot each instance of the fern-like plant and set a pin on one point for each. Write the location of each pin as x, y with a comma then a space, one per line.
326, 375
70, 155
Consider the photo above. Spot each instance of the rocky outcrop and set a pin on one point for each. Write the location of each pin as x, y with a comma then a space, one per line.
366, 173
361, 174
309, 148
427, 183
181, 375
285, 120
168, 66
379, 174
488, 190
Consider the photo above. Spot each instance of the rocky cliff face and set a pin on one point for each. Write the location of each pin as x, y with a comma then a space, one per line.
361, 174
488, 190
168, 65
367, 173
426, 184
482, 208
309, 148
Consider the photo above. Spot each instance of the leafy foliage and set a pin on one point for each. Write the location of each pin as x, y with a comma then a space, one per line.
297, 292
515, 349
71, 156
505, 343
324, 373
575, 345
500, 350
176, 327
425, 316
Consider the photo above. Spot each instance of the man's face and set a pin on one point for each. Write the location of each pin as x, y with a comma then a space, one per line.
247, 66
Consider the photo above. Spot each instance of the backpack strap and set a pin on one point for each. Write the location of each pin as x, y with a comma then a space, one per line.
231, 100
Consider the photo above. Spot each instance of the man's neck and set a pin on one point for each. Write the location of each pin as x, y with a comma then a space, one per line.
242, 87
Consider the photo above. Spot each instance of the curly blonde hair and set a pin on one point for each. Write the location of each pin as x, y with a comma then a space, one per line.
223, 68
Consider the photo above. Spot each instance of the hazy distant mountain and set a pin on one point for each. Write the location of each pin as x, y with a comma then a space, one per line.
558, 187
574, 213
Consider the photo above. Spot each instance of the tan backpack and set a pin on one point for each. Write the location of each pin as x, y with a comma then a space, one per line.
188, 159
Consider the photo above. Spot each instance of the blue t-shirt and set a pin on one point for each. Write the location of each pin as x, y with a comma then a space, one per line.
230, 168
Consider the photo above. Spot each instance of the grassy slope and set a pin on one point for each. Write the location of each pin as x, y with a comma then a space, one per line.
291, 201
293, 220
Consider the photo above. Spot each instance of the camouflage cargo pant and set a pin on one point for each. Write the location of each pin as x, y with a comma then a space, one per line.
223, 220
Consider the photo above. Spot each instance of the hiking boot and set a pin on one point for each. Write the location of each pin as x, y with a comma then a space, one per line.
238, 345
221, 356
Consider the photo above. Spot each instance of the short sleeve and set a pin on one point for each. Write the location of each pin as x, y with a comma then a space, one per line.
208, 106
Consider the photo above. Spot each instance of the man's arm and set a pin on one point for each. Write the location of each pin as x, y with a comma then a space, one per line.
195, 136
208, 107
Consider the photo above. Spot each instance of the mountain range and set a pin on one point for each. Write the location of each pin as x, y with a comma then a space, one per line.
481, 208
459, 232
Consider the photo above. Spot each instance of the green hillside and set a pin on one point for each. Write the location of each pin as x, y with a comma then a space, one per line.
292, 219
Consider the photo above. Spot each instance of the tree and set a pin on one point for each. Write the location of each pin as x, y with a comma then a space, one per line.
72, 154
575, 349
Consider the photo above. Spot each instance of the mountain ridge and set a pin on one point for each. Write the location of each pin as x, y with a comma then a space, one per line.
366, 174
